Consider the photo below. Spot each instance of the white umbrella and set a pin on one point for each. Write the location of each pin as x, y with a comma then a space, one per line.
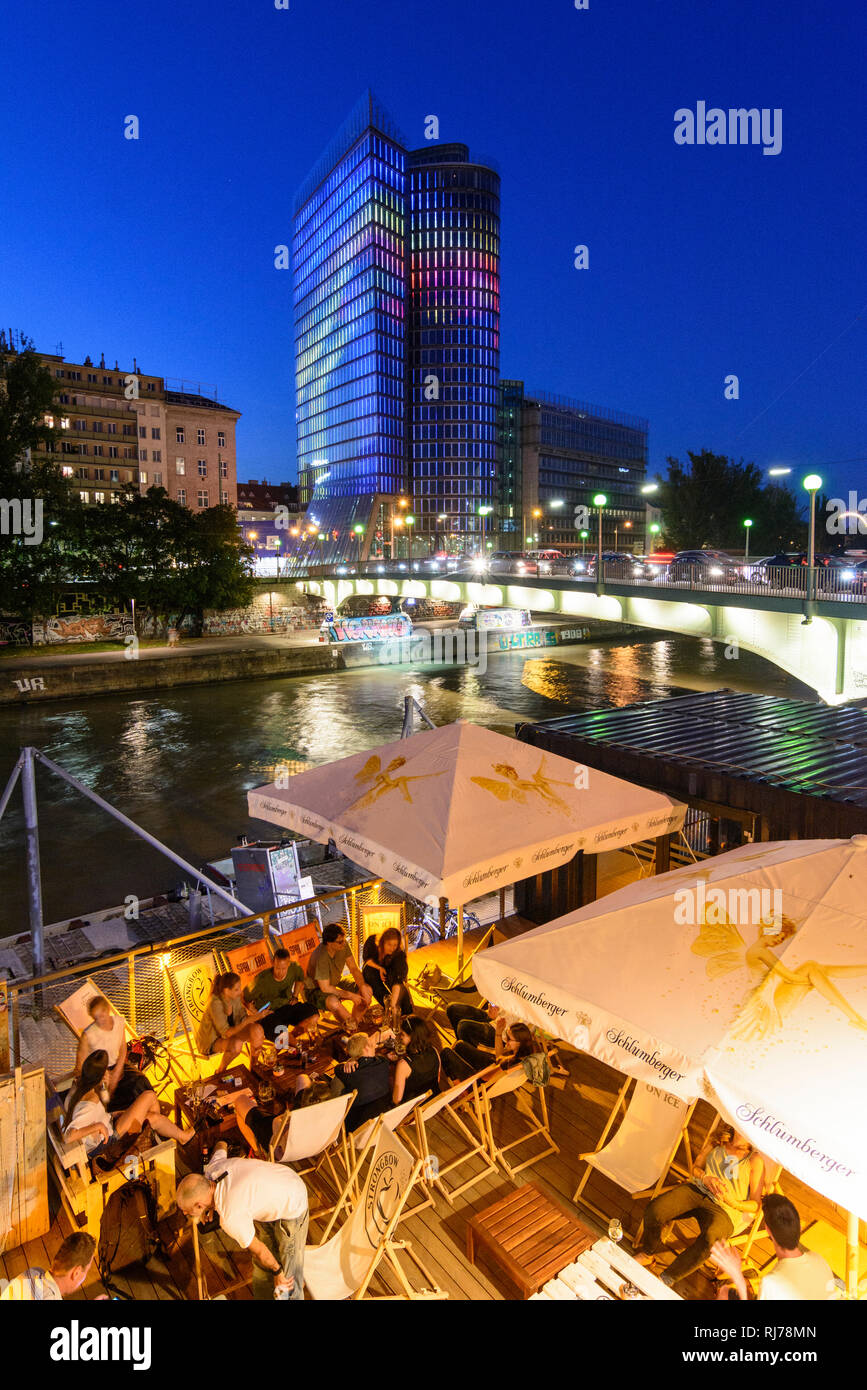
457, 811
742, 979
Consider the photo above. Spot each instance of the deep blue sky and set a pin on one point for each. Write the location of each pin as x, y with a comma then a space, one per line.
703, 261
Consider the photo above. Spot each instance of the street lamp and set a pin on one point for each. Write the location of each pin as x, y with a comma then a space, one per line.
410, 522
649, 487
359, 531
583, 535
484, 513
747, 525
812, 483
655, 529
599, 501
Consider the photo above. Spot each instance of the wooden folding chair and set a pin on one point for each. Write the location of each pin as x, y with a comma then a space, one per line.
640, 1155
472, 1148
343, 1264
314, 1132
508, 1083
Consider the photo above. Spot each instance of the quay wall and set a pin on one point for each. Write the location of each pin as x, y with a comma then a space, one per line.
74, 680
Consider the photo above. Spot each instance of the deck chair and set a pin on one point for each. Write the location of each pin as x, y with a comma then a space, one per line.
73, 1012
535, 1127
314, 1132
642, 1151
344, 1264
471, 1147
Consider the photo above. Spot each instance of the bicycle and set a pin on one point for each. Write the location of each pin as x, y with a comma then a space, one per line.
426, 931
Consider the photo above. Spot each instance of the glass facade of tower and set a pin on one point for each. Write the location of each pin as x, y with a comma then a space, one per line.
349, 273
453, 341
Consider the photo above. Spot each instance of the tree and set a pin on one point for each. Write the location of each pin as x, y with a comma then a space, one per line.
705, 502
38, 508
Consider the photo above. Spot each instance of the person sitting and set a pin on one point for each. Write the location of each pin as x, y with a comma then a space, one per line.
419, 1069
224, 1026
68, 1271
107, 1033
279, 989
514, 1043
366, 1074
264, 1207
722, 1196
798, 1275
88, 1120
327, 987
256, 1125
386, 970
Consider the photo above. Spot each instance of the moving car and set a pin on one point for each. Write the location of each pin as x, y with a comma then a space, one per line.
617, 564
703, 566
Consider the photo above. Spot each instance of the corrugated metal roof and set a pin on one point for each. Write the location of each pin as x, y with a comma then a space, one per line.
813, 750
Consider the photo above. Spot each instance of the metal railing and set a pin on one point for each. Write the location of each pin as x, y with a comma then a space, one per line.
136, 981
839, 585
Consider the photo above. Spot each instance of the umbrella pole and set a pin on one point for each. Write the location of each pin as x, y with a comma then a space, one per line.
852, 1255
460, 939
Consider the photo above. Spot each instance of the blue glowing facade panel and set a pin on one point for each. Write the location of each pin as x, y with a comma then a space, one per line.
453, 339
349, 273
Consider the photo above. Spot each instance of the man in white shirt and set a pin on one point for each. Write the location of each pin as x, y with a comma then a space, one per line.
798, 1276
264, 1207
67, 1273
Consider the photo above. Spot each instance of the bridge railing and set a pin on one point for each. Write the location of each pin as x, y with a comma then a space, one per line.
847, 584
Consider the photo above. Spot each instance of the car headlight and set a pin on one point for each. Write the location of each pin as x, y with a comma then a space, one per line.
715, 573
847, 575
480, 565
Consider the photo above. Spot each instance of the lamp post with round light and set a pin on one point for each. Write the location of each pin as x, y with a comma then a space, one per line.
359, 531
812, 483
583, 535
747, 526
410, 522
655, 529
484, 513
599, 501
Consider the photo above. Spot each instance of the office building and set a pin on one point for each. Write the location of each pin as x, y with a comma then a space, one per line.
555, 455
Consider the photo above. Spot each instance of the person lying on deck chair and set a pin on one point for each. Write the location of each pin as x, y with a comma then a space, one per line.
722, 1196
69, 1269
328, 988
279, 989
480, 1026
88, 1120
515, 1043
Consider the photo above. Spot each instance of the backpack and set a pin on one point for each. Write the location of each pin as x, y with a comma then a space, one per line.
128, 1229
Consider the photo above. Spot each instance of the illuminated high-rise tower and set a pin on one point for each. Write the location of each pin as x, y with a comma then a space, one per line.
396, 279
349, 292
453, 341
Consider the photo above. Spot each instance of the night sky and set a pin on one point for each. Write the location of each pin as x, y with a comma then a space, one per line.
704, 260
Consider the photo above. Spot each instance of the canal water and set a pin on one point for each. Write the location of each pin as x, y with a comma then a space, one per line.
180, 763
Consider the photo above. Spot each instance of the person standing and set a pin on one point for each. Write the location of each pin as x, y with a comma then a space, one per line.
262, 1206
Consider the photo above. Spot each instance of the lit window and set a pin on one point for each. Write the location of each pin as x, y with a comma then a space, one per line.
85, 496
143, 478
99, 497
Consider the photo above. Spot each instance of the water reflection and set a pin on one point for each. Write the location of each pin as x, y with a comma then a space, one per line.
181, 763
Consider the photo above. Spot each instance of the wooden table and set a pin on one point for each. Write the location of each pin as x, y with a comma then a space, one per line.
529, 1236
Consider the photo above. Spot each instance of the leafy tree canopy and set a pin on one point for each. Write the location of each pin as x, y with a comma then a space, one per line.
705, 501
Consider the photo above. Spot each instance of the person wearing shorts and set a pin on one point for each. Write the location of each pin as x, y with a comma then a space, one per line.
328, 987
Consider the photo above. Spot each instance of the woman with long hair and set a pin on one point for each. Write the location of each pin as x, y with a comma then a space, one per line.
88, 1120
418, 1070
107, 1032
515, 1043
225, 1026
386, 970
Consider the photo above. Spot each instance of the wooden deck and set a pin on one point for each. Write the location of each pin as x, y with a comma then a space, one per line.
579, 1106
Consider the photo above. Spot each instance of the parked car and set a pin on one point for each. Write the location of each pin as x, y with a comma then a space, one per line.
550, 561
836, 573
703, 566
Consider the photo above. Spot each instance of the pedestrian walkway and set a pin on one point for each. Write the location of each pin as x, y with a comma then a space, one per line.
69, 655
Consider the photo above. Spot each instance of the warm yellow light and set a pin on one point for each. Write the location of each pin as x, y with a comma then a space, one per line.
293, 531
165, 958
398, 521
251, 535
